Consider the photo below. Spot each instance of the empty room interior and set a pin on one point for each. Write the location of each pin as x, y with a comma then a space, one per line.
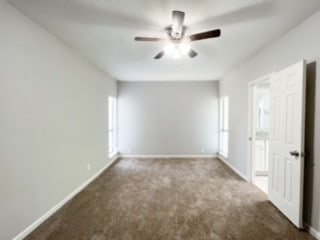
159, 119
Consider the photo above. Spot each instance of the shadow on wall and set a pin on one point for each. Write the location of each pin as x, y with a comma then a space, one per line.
309, 140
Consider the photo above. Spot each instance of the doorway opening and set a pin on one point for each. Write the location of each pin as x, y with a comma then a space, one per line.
260, 129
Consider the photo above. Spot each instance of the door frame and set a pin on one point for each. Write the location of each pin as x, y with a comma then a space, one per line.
251, 84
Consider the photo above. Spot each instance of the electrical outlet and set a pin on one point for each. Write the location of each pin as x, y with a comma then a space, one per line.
89, 166
203, 150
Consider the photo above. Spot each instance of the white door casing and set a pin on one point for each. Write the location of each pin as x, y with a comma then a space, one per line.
286, 152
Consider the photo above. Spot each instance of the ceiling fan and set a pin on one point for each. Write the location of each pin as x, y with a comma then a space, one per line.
176, 42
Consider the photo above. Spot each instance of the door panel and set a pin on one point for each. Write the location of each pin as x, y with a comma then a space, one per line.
287, 141
288, 179
276, 118
290, 121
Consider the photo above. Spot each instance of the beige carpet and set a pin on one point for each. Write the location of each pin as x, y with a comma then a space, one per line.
153, 199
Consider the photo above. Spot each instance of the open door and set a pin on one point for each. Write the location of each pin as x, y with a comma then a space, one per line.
286, 152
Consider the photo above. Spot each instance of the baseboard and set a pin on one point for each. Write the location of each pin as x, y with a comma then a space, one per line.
312, 231
224, 160
54, 209
168, 155
112, 160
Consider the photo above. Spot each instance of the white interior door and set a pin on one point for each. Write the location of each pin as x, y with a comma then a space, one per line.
286, 150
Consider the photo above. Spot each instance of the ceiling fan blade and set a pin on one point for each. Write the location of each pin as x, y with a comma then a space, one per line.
192, 53
159, 55
177, 24
148, 39
205, 35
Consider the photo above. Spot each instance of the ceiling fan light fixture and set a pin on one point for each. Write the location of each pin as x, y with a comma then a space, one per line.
176, 50
172, 50
176, 53
169, 49
184, 47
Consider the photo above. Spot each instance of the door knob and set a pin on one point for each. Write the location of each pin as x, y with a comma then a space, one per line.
294, 153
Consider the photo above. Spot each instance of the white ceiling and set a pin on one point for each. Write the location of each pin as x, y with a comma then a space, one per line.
103, 31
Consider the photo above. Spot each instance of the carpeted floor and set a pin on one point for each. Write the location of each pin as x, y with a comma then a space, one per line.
168, 199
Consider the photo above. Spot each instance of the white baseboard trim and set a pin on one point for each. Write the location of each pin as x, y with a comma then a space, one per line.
60, 204
224, 160
312, 231
112, 160
168, 155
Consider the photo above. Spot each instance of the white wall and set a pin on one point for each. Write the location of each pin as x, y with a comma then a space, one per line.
168, 117
300, 43
53, 121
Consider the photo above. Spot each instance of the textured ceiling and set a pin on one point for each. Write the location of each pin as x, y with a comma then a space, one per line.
103, 31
